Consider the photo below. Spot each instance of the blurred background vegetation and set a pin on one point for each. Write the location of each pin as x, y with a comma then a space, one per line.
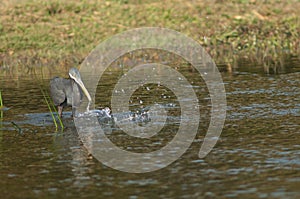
36, 33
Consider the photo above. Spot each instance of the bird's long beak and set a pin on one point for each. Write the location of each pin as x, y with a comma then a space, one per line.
80, 83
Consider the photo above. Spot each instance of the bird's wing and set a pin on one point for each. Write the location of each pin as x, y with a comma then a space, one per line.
57, 90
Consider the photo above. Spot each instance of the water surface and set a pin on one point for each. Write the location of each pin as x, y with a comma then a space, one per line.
257, 155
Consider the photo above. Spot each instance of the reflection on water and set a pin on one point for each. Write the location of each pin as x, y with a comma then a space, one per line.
257, 156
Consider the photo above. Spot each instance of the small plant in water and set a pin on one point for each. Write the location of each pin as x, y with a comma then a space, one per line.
1, 103
52, 109
50, 105
1, 106
19, 129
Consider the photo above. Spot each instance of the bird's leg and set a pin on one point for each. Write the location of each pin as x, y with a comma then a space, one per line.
73, 111
59, 110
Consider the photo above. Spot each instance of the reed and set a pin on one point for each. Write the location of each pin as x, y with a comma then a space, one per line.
52, 109
49, 103
1, 102
1, 106
19, 129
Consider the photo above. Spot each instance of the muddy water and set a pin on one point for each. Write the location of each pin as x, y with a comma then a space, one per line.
257, 155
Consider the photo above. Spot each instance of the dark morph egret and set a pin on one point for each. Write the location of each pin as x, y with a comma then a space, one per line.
68, 92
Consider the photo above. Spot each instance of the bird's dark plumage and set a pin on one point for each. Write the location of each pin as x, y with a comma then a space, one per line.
68, 92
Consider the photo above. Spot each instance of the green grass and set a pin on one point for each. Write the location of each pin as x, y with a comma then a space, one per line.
1, 107
48, 100
52, 110
62, 33
1, 102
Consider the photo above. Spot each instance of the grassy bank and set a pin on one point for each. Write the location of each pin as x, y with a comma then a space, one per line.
56, 33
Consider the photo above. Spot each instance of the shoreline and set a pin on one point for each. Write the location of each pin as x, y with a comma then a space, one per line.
36, 33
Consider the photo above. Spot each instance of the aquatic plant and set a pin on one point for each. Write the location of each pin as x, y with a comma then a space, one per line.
52, 109
1, 106
49, 102
19, 129
1, 102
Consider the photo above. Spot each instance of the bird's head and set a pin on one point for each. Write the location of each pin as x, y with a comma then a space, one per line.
75, 75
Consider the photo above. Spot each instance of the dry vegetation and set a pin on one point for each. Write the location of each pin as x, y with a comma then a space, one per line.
58, 34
